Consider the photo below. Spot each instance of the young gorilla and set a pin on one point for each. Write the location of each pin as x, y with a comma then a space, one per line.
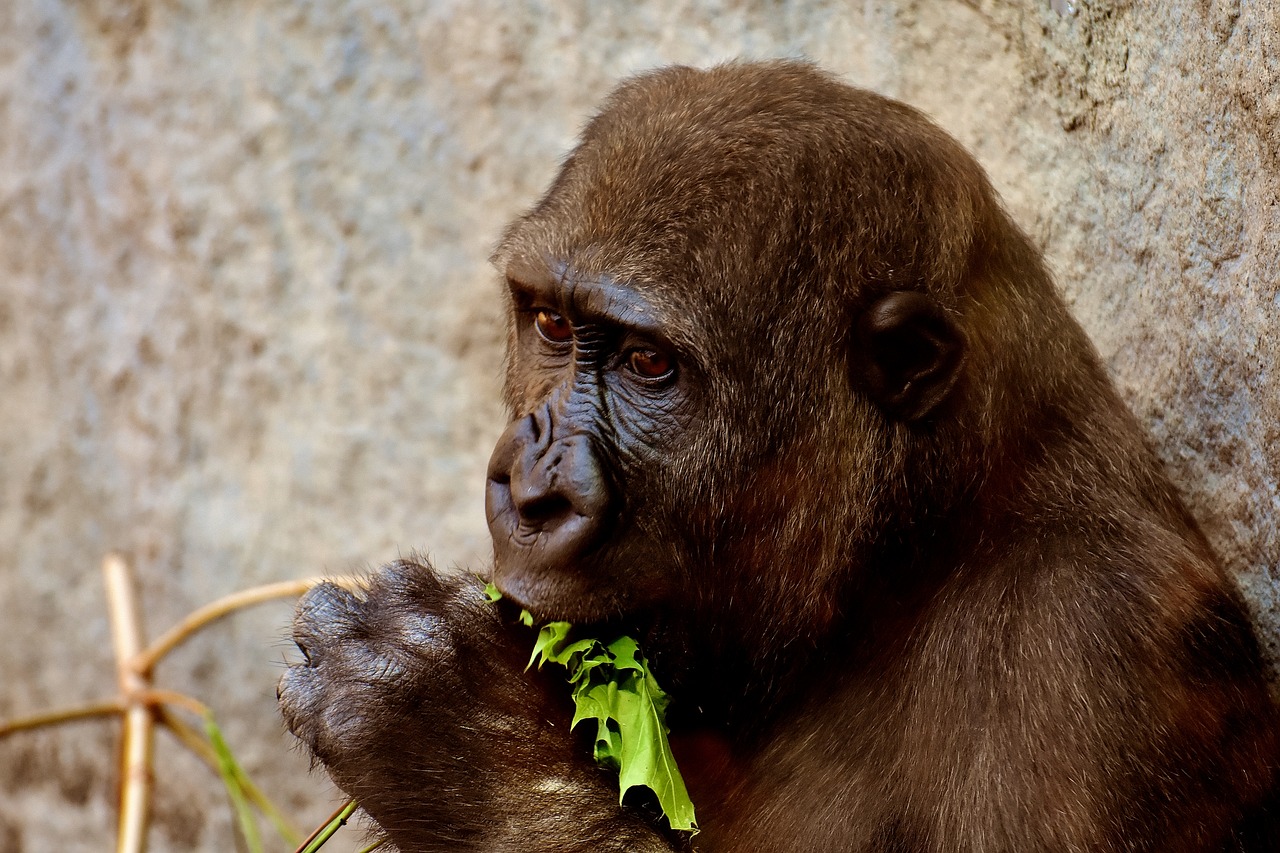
796, 404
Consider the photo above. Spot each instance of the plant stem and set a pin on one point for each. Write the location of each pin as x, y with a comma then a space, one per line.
158, 697
199, 746
326, 830
145, 661
66, 715
136, 772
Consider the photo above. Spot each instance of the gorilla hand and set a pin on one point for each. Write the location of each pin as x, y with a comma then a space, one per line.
415, 697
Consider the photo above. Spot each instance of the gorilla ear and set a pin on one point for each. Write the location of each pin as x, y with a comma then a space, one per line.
909, 354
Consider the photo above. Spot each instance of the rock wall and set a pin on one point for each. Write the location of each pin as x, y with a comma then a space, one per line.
248, 331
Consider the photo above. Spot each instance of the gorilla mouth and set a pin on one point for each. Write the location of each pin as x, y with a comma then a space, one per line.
576, 578
528, 534
554, 534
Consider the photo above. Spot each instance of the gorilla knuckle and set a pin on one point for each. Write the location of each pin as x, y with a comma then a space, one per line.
327, 613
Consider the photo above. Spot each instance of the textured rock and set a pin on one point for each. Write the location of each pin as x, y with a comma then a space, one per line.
248, 331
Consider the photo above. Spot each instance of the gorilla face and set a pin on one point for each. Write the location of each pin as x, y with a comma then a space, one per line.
601, 394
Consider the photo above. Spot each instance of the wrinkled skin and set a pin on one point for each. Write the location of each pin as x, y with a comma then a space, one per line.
795, 403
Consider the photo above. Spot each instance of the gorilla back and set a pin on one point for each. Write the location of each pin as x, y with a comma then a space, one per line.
793, 400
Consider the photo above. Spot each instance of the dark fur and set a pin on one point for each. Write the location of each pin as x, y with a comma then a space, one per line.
911, 571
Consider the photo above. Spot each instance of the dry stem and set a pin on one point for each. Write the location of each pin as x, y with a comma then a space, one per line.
141, 706
66, 715
199, 746
136, 778
146, 660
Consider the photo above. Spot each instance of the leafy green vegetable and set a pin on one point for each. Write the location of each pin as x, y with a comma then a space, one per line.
613, 686
491, 592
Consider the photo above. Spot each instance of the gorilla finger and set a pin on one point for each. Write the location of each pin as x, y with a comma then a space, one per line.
327, 614
300, 697
412, 583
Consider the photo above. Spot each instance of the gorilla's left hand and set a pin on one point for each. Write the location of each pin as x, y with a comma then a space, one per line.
415, 697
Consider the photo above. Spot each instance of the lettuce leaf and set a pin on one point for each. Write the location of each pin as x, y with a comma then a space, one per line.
612, 686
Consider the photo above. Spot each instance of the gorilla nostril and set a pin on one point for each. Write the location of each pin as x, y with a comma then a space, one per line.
306, 656
545, 510
545, 502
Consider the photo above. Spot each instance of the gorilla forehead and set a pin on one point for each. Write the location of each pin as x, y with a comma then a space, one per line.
588, 296
742, 173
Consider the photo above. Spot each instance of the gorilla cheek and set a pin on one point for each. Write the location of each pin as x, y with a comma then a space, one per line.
548, 506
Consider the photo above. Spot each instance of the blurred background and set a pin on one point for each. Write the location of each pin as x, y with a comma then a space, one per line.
248, 330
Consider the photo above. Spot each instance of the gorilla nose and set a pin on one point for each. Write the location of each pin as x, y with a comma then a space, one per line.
546, 501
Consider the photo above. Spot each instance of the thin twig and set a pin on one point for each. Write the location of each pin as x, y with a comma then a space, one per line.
188, 737
146, 660
326, 829
66, 715
199, 746
136, 773
157, 697
143, 706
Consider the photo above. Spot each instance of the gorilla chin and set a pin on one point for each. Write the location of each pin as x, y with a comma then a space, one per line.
585, 587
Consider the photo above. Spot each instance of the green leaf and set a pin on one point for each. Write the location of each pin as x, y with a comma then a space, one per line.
592, 703
607, 750
491, 592
550, 638
647, 759
231, 774
612, 686
626, 654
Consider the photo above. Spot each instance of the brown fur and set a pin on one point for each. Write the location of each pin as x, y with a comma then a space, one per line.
984, 624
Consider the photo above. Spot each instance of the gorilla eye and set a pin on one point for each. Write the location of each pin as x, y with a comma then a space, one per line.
552, 326
650, 364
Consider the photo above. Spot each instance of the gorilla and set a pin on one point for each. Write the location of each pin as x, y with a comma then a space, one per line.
795, 403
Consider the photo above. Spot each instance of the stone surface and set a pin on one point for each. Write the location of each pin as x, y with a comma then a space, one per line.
248, 331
